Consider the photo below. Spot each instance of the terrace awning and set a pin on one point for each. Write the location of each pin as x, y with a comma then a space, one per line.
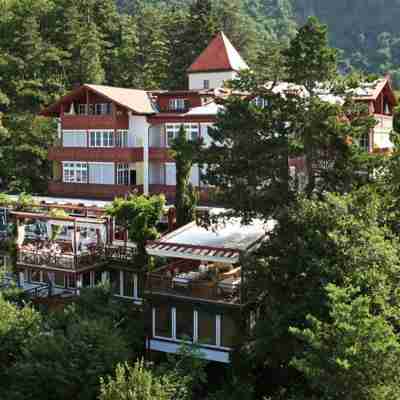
220, 243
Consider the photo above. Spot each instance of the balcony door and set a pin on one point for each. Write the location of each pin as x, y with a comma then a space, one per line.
170, 174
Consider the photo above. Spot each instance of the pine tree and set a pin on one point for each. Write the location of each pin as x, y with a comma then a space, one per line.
185, 152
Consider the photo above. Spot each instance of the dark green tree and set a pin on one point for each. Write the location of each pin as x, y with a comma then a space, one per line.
185, 153
343, 352
339, 240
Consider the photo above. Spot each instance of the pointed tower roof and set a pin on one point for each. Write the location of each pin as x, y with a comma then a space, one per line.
220, 55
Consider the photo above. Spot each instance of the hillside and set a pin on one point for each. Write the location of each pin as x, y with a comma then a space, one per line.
366, 30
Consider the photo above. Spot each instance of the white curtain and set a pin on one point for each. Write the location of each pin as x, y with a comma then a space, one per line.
21, 235
195, 175
74, 139
103, 174
170, 174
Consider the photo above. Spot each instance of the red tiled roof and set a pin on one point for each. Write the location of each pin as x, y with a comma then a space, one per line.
220, 55
134, 100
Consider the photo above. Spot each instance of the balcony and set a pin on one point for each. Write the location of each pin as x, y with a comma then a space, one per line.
32, 256
94, 122
216, 282
95, 191
114, 154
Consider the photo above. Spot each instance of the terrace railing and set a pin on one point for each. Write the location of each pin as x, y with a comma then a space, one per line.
69, 262
196, 289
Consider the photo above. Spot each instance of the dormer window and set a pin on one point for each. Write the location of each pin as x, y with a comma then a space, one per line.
260, 102
178, 104
386, 108
206, 84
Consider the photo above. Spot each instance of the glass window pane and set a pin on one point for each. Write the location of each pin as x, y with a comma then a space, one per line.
97, 277
206, 328
86, 279
71, 280
184, 323
59, 279
114, 281
163, 321
228, 331
129, 284
35, 275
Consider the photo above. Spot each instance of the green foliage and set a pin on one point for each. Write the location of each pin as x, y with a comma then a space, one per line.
66, 364
185, 153
139, 215
17, 328
309, 59
136, 383
355, 354
338, 240
62, 355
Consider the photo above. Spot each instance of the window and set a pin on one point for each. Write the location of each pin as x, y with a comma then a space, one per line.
184, 323
364, 142
82, 110
260, 102
122, 174
75, 173
59, 279
206, 328
115, 282
162, 321
172, 130
71, 281
101, 173
74, 138
121, 139
206, 84
178, 104
130, 284
101, 139
228, 331
192, 131
35, 276
86, 281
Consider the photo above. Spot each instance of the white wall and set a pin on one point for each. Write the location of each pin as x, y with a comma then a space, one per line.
196, 80
139, 127
156, 173
382, 132
155, 136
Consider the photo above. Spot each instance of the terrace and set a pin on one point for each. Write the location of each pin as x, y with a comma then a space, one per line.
204, 263
215, 282
60, 243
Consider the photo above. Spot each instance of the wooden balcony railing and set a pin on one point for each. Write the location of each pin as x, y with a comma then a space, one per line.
69, 262
209, 290
95, 191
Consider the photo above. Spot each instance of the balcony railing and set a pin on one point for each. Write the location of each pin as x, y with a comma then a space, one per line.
212, 285
90, 190
69, 262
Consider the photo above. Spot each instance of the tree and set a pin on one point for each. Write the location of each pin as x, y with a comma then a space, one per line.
339, 240
67, 364
309, 59
139, 215
185, 153
17, 328
248, 159
343, 353
136, 383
